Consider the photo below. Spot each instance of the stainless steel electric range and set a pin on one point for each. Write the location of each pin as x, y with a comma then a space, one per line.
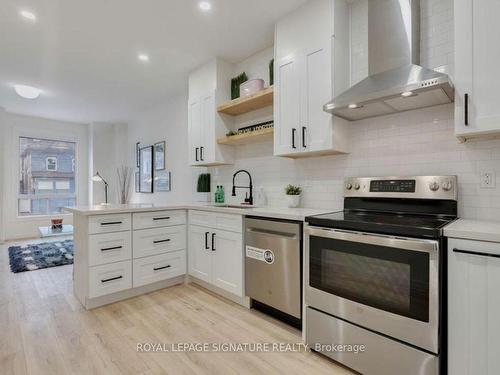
375, 275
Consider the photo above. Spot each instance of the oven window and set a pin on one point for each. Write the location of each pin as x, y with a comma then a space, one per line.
387, 278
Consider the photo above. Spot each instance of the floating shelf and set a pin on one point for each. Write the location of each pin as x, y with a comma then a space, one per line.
249, 103
246, 138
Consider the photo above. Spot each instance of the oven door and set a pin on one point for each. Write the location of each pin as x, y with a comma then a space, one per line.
386, 284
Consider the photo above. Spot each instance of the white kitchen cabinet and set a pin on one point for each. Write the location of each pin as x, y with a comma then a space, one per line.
476, 77
215, 250
208, 87
304, 83
474, 307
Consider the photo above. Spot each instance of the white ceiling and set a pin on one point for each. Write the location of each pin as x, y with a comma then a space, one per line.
83, 53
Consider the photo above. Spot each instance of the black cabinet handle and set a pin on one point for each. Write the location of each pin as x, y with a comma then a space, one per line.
112, 248
161, 268
112, 279
304, 137
201, 153
479, 253
161, 218
466, 109
161, 241
206, 241
112, 223
213, 242
293, 137
196, 154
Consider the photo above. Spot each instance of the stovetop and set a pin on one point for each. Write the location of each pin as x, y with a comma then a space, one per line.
406, 225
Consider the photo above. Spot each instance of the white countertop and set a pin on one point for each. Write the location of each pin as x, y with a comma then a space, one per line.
474, 230
272, 212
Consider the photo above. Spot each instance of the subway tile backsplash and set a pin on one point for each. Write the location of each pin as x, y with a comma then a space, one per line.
420, 142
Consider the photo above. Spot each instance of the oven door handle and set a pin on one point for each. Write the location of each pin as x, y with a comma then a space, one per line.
374, 239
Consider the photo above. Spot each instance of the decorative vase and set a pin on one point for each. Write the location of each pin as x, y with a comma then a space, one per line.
293, 201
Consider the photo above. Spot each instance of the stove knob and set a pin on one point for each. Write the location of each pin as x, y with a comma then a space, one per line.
447, 185
348, 186
356, 186
434, 186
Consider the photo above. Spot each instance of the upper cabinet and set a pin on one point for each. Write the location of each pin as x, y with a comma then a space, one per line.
208, 87
304, 82
477, 31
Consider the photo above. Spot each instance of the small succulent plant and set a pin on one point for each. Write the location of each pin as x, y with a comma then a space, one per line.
293, 190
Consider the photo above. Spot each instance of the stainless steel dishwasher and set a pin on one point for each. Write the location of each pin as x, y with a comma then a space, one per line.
273, 265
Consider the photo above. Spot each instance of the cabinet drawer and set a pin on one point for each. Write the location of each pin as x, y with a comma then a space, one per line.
109, 223
110, 278
156, 241
216, 220
143, 220
109, 248
472, 247
159, 267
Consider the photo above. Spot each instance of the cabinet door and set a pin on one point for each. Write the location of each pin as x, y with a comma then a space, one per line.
287, 106
477, 75
227, 265
474, 307
194, 130
316, 90
207, 131
200, 253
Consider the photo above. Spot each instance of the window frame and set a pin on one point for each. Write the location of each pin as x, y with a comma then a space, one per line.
18, 196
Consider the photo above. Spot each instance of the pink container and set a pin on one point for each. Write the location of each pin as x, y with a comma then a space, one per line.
251, 86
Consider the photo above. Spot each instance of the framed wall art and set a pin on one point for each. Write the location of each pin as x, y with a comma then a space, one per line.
146, 169
160, 156
162, 181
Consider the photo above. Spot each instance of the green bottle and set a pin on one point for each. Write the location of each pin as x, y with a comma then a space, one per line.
221, 194
217, 194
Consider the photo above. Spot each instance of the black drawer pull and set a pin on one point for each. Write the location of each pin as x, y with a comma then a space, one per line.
161, 241
466, 109
161, 218
112, 279
112, 223
293, 137
304, 136
201, 153
213, 242
161, 268
196, 154
112, 248
206, 241
479, 253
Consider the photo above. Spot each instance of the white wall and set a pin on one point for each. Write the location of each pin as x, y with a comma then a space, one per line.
167, 122
15, 126
108, 152
420, 142
2, 176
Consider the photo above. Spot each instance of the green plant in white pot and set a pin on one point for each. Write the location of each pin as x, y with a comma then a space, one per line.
293, 195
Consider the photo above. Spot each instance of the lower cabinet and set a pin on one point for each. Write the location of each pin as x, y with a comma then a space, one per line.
474, 307
216, 257
110, 278
158, 267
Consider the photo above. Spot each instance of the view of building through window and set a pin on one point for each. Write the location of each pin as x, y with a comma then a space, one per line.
46, 177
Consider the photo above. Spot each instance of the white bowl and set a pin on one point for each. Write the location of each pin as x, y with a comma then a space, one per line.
251, 86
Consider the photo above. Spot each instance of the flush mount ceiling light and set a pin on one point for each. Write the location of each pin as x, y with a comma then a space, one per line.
205, 6
26, 14
407, 94
353, 106
143, 57
27, 92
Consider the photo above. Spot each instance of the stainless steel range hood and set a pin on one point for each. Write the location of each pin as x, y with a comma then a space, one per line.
396, 82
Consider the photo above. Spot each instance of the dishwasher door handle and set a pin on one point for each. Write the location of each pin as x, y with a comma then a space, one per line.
274, 233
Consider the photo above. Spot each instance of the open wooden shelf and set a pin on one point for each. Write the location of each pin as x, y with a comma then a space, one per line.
249, 103
246, 138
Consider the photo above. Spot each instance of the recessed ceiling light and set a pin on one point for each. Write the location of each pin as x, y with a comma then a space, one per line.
205, 6
28, 15
27, 92
407, 94
143, 57
352, 106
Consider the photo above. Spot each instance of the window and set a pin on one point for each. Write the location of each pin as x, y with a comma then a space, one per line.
51, 163
47, 176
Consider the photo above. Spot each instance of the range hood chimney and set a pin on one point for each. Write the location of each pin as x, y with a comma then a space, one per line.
396, 82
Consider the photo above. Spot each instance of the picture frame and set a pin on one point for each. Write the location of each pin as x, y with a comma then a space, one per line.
137, 154
163, 181
137, 185
146, 169
160, 155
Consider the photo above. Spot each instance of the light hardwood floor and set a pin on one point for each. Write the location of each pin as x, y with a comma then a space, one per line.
45, 330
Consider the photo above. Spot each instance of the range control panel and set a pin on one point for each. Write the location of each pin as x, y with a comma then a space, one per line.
416, 187
396, 186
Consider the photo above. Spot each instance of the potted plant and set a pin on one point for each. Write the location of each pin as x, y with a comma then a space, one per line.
293, 195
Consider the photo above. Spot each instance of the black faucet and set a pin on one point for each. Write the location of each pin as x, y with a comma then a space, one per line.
248, 200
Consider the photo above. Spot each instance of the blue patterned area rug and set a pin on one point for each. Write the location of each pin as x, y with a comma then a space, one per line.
42, 255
